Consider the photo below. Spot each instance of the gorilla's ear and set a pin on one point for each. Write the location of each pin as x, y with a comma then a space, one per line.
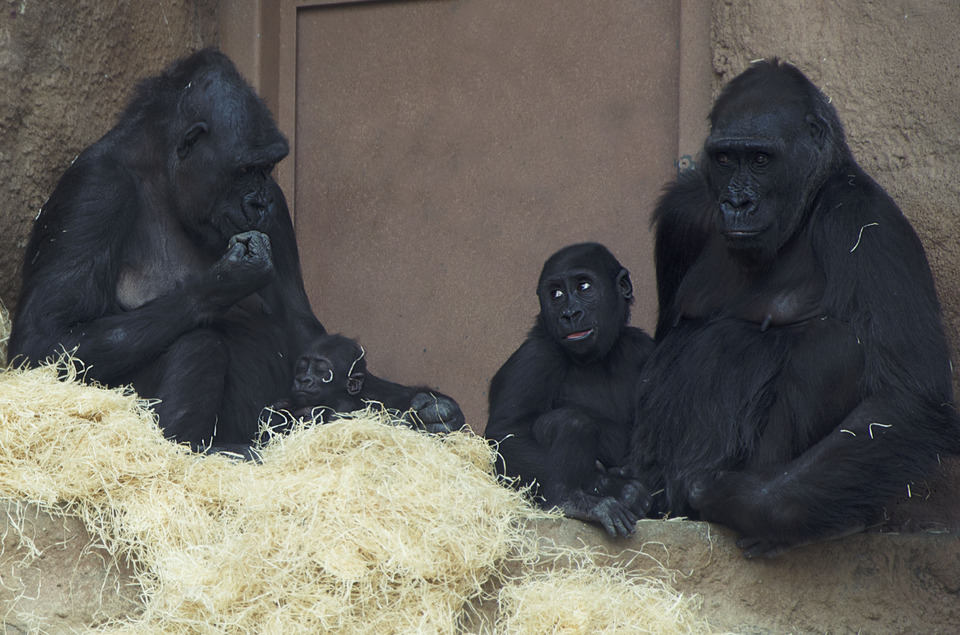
355, 383
818, 131
190, 137
624, 286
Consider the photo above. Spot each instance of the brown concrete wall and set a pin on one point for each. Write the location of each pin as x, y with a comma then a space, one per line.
66, 71
446, 149
893, 70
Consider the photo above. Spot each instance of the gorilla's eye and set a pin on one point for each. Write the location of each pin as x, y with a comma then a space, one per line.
556, 294
584, 286
723, 159
761, 158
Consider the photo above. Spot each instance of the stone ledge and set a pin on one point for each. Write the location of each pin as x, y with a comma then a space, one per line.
68, 586
865, 583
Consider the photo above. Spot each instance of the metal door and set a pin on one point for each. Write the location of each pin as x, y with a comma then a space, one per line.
443, 149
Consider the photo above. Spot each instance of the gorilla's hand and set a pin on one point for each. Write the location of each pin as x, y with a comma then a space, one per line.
615, 517
246, 267
622, 483
743, 501
282, 404
435, 413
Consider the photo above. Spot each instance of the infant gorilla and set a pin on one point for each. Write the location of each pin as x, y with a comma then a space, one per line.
331, 376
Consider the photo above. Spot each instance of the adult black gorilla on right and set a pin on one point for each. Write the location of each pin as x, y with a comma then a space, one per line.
801, 378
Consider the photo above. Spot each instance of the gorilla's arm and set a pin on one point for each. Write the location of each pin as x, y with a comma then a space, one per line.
288, 282
431, 409
74, 259
682, 219
519, 394
871, 257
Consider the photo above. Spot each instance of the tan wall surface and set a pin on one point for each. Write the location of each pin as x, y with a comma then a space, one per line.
66, 71
893, 70
445, 149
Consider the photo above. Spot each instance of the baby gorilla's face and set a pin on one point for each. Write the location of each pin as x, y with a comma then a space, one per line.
316, 381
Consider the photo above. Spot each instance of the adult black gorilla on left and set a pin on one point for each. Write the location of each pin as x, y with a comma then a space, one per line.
166, 257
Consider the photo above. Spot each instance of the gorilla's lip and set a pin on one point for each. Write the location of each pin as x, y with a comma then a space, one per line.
304, 397
576, 336
742, 233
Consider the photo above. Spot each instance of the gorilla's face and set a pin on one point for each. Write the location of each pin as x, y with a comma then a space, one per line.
330, 368
761, 167
220, 170
584, 301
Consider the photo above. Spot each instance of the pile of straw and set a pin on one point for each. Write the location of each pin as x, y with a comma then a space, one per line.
591, 598
352, 526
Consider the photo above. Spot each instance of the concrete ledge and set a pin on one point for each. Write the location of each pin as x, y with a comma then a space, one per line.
865, 583
64, 584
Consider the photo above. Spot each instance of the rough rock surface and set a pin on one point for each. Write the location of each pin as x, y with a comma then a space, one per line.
56, 580
865, 583
66, 70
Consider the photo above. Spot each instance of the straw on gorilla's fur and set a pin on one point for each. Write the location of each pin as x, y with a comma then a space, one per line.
352, 526
4, 334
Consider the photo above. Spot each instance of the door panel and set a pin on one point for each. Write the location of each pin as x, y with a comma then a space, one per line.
444, 149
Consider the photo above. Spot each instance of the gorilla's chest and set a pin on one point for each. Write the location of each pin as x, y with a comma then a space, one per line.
141, 282
787, 292
584, 386
159, 259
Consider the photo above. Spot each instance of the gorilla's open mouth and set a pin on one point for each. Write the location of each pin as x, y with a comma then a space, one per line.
576, 336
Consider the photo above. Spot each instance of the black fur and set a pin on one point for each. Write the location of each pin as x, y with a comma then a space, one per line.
166, 258
331, 376
801, 378
560, 405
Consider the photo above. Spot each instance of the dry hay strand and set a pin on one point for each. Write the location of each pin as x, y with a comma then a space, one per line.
353, 526
591, 598
66, 442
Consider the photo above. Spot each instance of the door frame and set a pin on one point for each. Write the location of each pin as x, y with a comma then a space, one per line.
261, 37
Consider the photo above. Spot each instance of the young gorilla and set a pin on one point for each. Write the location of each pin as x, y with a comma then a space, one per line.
331, 376
562, 407
801, 378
